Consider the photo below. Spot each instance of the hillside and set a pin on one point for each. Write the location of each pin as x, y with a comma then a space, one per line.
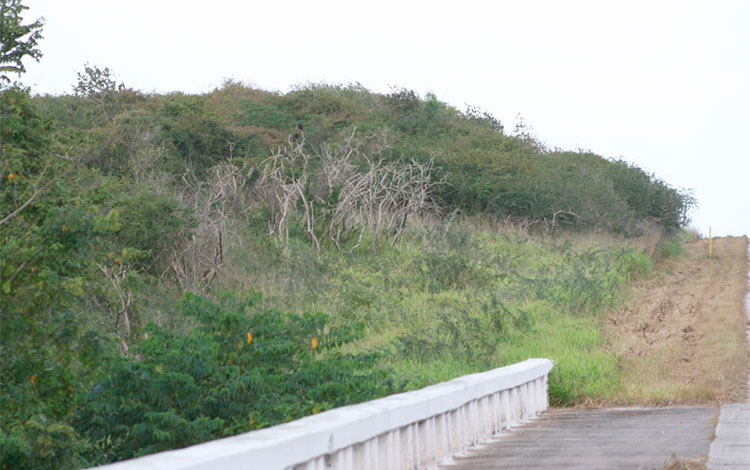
178, 268
681, 337
485, 168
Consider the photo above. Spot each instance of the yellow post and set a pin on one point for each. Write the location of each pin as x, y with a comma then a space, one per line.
710, 242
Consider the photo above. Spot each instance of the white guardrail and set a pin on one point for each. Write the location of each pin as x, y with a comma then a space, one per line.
413, 430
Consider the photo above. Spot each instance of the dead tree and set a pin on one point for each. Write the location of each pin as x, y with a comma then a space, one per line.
217, 205
344, 190
115, 274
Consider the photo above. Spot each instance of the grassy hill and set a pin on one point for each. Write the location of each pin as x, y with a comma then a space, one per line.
486, 169
177, 268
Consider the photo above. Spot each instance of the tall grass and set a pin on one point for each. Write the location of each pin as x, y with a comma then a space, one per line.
448, 301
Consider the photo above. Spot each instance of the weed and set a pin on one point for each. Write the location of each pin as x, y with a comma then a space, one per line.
675, 463
669, 248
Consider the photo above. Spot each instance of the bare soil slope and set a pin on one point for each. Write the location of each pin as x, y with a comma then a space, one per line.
682, 338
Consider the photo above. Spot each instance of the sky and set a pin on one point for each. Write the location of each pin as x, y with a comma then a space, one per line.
662, 84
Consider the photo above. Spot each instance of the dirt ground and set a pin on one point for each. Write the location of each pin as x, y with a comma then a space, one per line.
681, 337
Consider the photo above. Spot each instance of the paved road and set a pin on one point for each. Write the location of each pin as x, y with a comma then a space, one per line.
621, 438
731, 448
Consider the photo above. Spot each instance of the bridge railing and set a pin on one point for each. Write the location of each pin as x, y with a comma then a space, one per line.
413, 430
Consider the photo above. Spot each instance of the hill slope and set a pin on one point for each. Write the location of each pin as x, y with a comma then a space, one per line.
177, 268
682, 338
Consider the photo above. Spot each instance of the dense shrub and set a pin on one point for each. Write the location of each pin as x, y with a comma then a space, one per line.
240, 368
486, 170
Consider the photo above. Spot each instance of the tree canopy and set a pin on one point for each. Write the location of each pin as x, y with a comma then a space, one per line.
17, 40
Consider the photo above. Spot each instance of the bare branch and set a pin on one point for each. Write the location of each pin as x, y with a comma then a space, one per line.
37, 192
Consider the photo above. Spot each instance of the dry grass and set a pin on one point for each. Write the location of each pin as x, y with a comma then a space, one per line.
678, 464
681, 339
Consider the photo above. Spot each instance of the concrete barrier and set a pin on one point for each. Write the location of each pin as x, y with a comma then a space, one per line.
413, 430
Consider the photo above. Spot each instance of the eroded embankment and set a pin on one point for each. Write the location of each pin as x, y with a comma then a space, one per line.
682, 339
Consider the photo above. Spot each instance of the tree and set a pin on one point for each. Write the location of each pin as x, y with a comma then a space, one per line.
100, 87
17, 40
40, 249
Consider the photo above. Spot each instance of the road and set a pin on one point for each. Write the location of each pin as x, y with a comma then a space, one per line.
615, 438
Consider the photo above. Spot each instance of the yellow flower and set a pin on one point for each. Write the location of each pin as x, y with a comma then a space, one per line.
33, 379
249, 337
11, 176
314, 342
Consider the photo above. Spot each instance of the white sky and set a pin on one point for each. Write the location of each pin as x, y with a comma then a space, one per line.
662, 84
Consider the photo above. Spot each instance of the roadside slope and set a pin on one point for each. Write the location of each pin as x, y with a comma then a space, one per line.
681, 339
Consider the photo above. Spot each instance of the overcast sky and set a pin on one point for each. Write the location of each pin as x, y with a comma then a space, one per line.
662, 84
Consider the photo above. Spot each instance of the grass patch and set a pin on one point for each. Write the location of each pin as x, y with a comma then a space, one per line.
446, 303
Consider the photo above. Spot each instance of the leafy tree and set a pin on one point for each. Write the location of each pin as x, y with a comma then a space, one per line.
42, 248
17, 40
42, 355
100, 88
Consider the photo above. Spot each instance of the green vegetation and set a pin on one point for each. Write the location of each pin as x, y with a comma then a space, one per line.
18, 40
396, 242
186, 388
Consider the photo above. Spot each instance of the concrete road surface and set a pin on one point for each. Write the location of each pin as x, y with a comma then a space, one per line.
620, 438
731, 448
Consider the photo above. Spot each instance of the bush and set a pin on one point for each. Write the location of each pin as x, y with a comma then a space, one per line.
144, 218
669, 248
195, 133
486, 171
240, 368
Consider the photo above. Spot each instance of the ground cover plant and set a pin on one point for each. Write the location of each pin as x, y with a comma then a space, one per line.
448, 303
221, 262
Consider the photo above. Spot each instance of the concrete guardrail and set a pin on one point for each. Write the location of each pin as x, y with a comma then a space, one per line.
413, 430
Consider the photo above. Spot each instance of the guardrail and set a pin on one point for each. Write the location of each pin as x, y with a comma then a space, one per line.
413, 430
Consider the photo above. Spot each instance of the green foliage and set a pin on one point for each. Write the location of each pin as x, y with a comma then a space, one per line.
43, 245
650, 197
95, 81
240, 368
196, 134
146, 221
636, 264
535, 300
43, 375
439, 271
99, 87
102, 192
486, 171
51, 232
267, 116
37, 444
39, 223
669, 248
17, 40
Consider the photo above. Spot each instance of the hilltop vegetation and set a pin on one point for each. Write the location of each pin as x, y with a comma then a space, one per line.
177, 268
486, 170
